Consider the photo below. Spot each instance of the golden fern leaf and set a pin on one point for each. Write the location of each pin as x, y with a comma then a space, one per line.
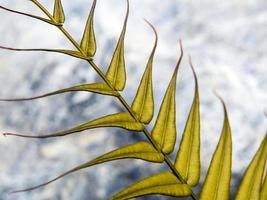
217, 183
116, 73
122, 120
73, 53
188, 158
88, 42
58, 14
140, 150
264, 189
99, 88
164, 131
164, 183
29, 15
143, 104
250, 186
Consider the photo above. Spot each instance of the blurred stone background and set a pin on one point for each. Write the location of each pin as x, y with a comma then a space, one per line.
226, 39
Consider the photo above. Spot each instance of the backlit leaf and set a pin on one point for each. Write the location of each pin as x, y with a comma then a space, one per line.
264, 189
188, 158
28, 15
88, 43
122, 120
76, 54
140, 150
250, 186
164, 183
58, 14
143, 104
100, 88
164, 131
217, 183
116, 72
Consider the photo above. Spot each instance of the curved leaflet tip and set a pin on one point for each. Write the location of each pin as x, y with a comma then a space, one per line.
143, 104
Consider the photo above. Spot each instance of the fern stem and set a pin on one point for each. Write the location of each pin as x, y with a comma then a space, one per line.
120, 97
148, 135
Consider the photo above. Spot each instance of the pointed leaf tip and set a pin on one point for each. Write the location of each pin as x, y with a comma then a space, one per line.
58, 14
164, 131
88, 43
164, 183
251, 186
116, 73
188, 157
217, 183
143, 104
194, 72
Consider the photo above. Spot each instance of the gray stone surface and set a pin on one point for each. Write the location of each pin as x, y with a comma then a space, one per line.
226, 39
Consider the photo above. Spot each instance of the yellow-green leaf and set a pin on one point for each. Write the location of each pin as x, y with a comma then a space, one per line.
76, 54
264, 189
122, 120
100, 88
28, 15
58, 14
164, 131
140, 150
116, 72
88, 43
143, 104
164, 183
188, 158
250, 186
217, 183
